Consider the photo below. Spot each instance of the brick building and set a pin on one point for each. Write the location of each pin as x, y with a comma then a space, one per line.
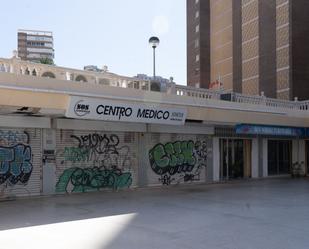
249, 46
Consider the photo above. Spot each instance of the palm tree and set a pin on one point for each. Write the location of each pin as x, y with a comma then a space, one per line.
47, 61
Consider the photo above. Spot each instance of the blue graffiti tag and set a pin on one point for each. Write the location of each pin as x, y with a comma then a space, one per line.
14, 137
15, 164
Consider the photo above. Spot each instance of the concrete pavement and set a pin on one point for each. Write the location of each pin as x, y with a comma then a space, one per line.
271, 214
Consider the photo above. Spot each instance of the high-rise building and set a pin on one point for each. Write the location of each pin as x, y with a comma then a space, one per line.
249, 46
198, 43
35, 45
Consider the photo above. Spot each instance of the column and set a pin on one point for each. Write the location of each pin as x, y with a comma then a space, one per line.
216, 159
255, 158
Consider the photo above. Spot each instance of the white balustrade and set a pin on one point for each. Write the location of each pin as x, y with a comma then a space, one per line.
196, 92
8, 65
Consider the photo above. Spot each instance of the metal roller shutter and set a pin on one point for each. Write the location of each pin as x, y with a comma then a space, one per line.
177, 158
93, 161
21, 160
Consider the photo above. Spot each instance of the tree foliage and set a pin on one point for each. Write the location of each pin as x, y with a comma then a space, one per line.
47, 61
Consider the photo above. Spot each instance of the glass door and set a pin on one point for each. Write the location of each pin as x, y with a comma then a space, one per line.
234, 154
237, 166
279, 157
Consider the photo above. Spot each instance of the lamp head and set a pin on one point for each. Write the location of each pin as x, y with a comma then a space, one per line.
154, 41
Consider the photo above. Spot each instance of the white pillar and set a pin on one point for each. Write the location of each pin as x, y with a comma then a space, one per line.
68, 76
255, 158
11, 68
6, 68
216, 159
172, 88
265, 157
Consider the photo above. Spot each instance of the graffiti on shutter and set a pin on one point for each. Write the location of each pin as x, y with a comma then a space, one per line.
95, 161
15, 158
178, 161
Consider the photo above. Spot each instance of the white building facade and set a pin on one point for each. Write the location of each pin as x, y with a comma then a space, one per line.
60, 136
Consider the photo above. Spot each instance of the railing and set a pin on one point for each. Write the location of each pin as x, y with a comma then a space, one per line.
20, 67
304, 105
196, 92
262, 100
241, 98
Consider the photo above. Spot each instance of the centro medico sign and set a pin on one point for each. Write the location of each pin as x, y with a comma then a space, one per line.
108, 110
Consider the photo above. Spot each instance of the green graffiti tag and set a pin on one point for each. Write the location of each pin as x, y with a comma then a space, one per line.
75, 154
180, 161
172, 158
90, 179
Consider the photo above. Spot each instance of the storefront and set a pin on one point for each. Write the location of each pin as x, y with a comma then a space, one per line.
280, 148
235, 158
111, 145
178, 157
143, 146
235, 154
279, 157
99, 155
21, 156
107, 145
89, 160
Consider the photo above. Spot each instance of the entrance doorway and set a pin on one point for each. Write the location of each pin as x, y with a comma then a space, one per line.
235, 158
279, 157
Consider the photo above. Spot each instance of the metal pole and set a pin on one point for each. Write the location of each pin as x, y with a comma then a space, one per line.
154, 62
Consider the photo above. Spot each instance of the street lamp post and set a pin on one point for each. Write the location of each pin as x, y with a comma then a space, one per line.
154, 43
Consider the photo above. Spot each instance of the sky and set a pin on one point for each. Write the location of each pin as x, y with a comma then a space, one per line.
104, 32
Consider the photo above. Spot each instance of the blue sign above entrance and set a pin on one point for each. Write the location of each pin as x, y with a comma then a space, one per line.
270, 130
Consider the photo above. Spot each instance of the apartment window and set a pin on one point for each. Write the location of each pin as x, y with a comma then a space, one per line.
196, 43
197, 28
197, 71
197, 14
197, 58
197, 85
38, 38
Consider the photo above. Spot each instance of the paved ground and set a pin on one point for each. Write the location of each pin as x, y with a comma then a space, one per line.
268, 214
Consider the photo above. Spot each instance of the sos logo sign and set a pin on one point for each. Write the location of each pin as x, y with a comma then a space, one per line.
81, 108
